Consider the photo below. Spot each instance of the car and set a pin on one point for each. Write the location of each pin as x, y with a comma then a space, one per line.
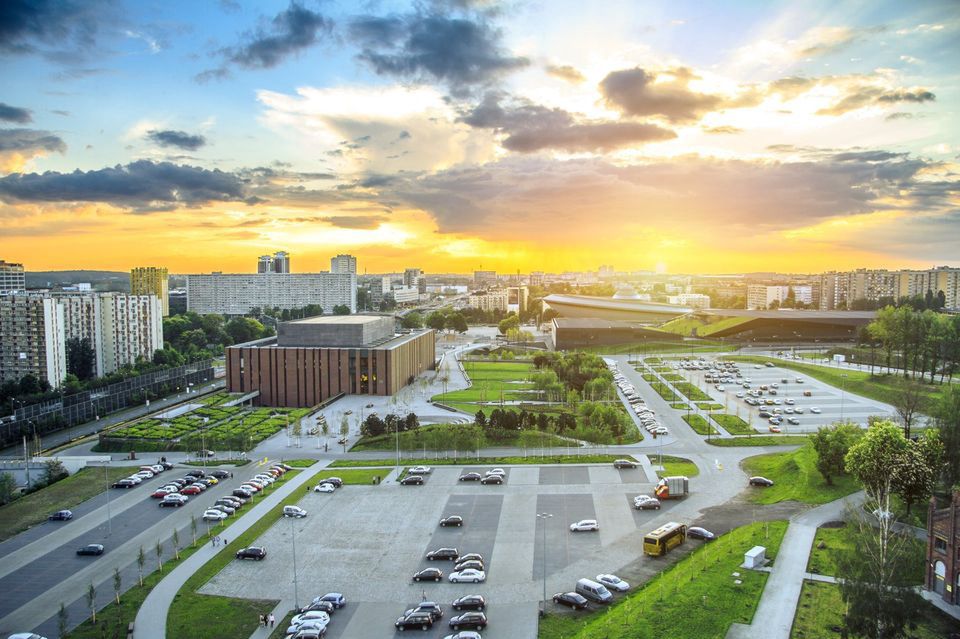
315, 616
90, 549
798, 410
205, 453
253, 552
252, 488
774, 428
220, 474
265, 479
470, 477
470, 564
61, 515
432, 608
171, 503
492, 479
765, 413
696, 532
242, 493
325, 606
613, 582
443, 553
769, 364
475, 620
584, 525
815, 410
336, 598
214, 515
469, 602
209, 481
412, 480
191, 490
227, 508
793, 421
196, 472
471, 556
571, 599
470, 575
123, 483
799, 380
808, 393
651, 503
336, 481
428, 574
33, 635
496, 471
160, 493
229, 501
789, 401
741, 395
316, 628
420, 470
464, 634
788, 410
176, 497
452, 520
761, 481
325, 488
421, 620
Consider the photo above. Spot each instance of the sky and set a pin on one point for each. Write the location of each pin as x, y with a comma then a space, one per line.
457, 135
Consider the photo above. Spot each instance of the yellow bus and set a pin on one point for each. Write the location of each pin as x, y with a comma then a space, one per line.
664, 538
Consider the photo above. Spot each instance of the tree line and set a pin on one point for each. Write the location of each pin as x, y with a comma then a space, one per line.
917, 342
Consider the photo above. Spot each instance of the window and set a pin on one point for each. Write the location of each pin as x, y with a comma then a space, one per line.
940, 544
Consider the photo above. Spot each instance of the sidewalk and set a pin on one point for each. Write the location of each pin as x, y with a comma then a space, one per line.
151, 621
778, 603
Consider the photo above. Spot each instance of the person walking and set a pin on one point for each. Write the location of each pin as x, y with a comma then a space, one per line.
271, 619
263, 620
213, 542
224, 540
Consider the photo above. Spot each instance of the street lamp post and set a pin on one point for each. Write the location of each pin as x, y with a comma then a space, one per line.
544, 517
397, 426
293, 540
106, 484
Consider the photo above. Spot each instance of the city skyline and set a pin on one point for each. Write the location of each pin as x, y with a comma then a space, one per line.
472, 135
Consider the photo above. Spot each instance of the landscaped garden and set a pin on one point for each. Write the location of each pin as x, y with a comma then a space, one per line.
699, 424
733, 424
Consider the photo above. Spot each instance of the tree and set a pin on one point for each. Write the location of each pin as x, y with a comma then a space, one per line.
341, 309
29, 385
947, 414
53, 471
193, 530
81, 358
412, 320
141, 560
344, 431
916, 475
511, 321
92, 602
831, 444
372, 426
117, 584
176, 543
8, 488
158, 549
244, 329
63, 620
457, 322
436, 320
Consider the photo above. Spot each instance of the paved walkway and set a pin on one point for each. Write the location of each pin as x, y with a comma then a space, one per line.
778, 604
151, 621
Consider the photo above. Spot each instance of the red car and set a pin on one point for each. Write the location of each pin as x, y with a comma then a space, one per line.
191, 490
160, 494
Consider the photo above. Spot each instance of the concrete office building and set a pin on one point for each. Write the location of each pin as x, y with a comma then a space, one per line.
121, 328
496, 300
693, 300
343, 264
517, 298
11, 278
151, 280
32, 338
314, 359
279, 262
237, 294
404, 294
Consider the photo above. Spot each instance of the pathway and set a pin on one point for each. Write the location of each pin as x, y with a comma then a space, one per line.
151, 621
778, 604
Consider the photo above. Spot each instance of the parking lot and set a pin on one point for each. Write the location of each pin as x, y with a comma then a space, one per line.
833, 403
368, 541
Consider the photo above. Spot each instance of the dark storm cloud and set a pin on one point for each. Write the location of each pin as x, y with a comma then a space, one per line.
29, 141
867, 156
15, 114
461, 52
142, 186
904, 95
177, 139
633, 92
50, 26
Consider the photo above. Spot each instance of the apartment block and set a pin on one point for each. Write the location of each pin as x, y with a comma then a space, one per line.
239, 293
151, 280
11, 278
343, 264
691, 300
279, 262
32, 338
761, 296
838, 289
484, 278
495, 300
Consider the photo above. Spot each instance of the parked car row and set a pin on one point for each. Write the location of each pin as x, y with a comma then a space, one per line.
311, 621
645, 414
328, 485
492, 476
145, 472
471, 616
468, 568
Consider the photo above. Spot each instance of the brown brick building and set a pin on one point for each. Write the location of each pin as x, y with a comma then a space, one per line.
313, 359
943, 550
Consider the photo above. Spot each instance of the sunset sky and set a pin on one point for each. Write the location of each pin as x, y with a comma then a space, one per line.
464, 134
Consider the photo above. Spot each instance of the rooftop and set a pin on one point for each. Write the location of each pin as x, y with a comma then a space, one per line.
342, 320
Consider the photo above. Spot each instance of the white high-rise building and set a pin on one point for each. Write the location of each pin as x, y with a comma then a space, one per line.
343, 264
32, 338
239, 293
762, 297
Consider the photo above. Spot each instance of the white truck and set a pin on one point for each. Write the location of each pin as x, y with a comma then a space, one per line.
675, 487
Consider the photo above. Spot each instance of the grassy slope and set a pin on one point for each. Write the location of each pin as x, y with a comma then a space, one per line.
657, 347
796, 478
695, 599
421, 439
34, 508
490, 379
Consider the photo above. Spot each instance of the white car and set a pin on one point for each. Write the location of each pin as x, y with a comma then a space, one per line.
317, 616
420, 470
177, 497
660, 430
789, 401
496, 471
214, 515
136, 479
585, 525
294, 629
467, 576
144, 474
815, 410
31, 635
798, 410
464, 634
324, 488
613, 582
741, 395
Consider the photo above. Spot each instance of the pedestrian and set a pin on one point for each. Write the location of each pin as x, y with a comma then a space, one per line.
271, 619
224, 541
213, 542
263, 620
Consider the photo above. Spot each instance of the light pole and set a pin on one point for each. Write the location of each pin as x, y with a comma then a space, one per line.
397, 426
843, 384
106, 483
544, 517
293, 540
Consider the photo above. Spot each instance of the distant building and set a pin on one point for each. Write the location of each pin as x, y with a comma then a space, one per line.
841, 289
279, 262
343, 263
761, 297
405, 294
537, 278
238, 294
314, 359
32, 338
484, 278
265, 264
151, 280
693, 300
942, 567
489, 301
11, 278
414, 277
518, 298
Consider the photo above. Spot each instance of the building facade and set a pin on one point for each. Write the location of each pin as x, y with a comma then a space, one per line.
518, 298
942, 574
151, 280
413, 277
279, 262
761, 297
484, 278
693, 300
32, 338
238, 294
312, 360
840, 289
495, 300
11, 278
405, 294
343, 264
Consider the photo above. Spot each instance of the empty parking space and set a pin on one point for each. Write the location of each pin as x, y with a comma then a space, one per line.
563, 547
564, 475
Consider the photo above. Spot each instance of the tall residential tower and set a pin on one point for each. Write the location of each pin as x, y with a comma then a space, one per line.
151, 280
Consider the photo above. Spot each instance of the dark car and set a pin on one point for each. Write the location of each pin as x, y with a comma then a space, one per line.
336, 481
470, 477
171, 503
252, 552
647, 504
443, 553
696, 532
123, 483
412, 480
91, 549
765, 413
452, 520
242, 493
429, 574
321, 606
196, 472
220, 474
760, 481
471, 556
472, 620
572, 599
421, 620
61, 515
469, 602
432, 608
492, 479
336, 598
624, 463
471, 564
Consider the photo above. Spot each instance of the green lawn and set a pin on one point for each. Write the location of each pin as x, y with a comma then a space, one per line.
355, 476
694, 599
665, 392
692, 392
699, 424
709, 406
759, 440
687, 325
432, 436
795, 478
822, 560
820, 609
733, 424
680, 406
34, 508
658, 347
877, 387
675, 466
491, 381
468, 460
672, 377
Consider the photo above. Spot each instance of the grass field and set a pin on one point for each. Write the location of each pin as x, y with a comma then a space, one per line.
692, 392
759, 440
733, 424
680, 406
433, 437
675, 466
699, 424
795, 478
822, 560
709, 406
665, 392
491, 381
658, 347
585, 458
34, 508
878, 387
695, 599
355, 476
